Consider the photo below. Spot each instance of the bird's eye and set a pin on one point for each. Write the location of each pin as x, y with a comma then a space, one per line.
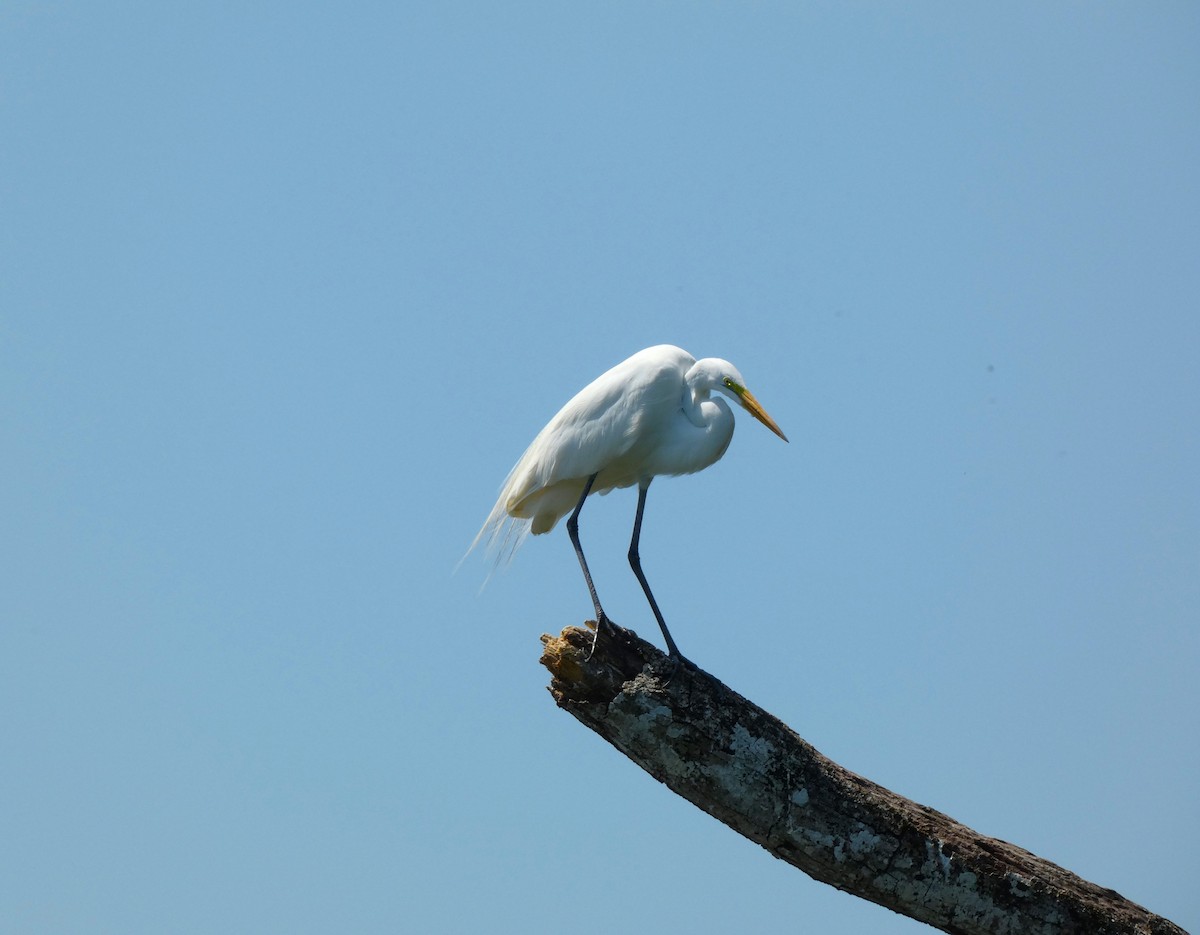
728, 382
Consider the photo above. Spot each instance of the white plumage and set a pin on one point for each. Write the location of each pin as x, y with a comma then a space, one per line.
651, 414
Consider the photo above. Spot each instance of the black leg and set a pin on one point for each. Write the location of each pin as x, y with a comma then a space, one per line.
635, 562
573, 532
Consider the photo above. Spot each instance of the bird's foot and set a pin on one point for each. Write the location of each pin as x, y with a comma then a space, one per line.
667, 667
599, 624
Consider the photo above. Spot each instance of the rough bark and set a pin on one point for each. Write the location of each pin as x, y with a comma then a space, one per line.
751, 771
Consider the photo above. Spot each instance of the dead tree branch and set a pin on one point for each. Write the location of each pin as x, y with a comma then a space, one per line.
751, 771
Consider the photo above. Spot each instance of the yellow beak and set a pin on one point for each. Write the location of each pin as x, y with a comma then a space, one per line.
754, 407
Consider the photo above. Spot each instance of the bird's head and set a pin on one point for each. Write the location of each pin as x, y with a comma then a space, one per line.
723, 376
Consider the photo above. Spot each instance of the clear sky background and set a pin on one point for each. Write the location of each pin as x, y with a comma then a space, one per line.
285, 289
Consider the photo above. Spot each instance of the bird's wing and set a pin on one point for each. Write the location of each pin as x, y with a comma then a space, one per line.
598, 426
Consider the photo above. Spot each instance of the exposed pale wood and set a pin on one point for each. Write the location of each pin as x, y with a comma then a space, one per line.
751, 771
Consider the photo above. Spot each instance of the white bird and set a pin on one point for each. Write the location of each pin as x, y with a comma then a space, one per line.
649, 415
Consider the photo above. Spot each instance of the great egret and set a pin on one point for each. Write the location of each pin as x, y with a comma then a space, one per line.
649, 415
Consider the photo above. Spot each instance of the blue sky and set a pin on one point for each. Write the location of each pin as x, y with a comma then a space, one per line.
285, 289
